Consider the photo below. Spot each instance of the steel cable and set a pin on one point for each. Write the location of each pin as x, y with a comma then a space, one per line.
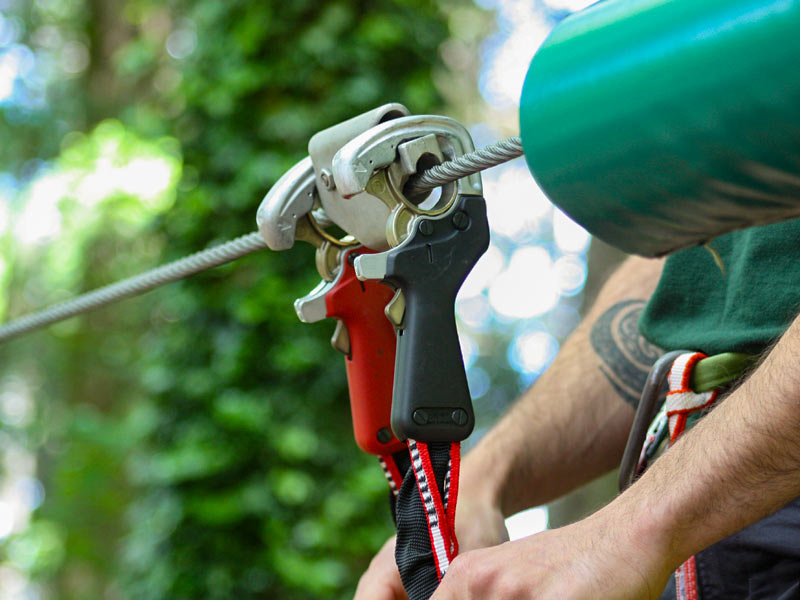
133, 286
471, 163
463, 166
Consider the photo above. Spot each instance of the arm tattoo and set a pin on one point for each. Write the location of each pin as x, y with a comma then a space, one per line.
626, 355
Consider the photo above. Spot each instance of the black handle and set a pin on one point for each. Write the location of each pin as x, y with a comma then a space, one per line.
431, 400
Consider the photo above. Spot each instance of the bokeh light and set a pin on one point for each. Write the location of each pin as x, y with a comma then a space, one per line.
474, 312
527, 288
527, 522
519, 208
6, 519
182, 41
483, 273
522, 27
469, 350
569, 236
570, 274
479, 382
570, 5
531, 353
74, 57
108, 163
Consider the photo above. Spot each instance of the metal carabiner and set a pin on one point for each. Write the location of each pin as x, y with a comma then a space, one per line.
432, 248
645, 413
285, 216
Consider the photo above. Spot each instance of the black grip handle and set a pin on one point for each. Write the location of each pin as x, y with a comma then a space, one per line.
431, 400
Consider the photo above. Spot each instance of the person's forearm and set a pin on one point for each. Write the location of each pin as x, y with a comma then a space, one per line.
572, 424
738, 465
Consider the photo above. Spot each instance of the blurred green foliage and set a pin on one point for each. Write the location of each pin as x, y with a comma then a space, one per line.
194, 443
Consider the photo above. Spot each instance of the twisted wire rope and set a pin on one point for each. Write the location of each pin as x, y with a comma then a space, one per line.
439, 175
466, 165
133, 286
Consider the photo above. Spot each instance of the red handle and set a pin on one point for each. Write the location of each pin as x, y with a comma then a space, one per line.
370, 364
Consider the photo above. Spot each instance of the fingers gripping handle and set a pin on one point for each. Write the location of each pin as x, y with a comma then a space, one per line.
431, 400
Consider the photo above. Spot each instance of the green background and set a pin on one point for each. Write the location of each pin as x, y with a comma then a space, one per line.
196, 442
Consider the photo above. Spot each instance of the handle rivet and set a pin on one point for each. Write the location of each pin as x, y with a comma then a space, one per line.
384, 435
419, 417
425, 227
460, 220
327, 179
459, 416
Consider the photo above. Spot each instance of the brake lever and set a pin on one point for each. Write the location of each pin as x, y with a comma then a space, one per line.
367, 339
432, 250
431, 401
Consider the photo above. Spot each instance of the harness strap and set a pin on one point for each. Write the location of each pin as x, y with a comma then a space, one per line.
392, 472
681, 403
423, 503
440, 520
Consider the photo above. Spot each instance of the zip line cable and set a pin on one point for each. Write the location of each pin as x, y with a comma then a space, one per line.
471, 163
442, 174
133, 286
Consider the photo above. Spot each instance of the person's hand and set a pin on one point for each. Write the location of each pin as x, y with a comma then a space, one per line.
478, 525
381, 580
588, 560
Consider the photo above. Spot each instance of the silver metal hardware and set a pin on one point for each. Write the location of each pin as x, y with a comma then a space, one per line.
396, 309
311, 307
341, 338
371, 169
285, 216
290, 199
324, 145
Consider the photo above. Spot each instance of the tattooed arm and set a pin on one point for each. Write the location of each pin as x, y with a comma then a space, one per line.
569, 428
625, 356
701, 491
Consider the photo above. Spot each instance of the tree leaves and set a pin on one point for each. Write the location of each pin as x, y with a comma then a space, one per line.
233, 471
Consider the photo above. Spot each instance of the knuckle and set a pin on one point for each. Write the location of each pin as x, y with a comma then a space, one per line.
506, 587
475, 573
458, 567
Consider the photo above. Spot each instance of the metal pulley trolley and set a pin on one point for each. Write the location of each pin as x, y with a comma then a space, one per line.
655, 124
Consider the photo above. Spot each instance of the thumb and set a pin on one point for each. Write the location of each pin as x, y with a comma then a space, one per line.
381, 581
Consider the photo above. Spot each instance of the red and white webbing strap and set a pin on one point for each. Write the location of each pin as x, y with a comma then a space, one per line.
681, 403
392, 473
681, 400
439, 512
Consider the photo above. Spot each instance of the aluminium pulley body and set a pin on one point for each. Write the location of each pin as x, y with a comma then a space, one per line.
660, 124
391, 284
362, 334
371, 170
432, 244
423, 247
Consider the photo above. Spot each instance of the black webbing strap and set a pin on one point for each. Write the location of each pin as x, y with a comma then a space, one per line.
424, 511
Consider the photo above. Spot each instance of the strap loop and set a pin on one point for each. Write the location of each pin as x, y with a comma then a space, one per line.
424, 508
682, 402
